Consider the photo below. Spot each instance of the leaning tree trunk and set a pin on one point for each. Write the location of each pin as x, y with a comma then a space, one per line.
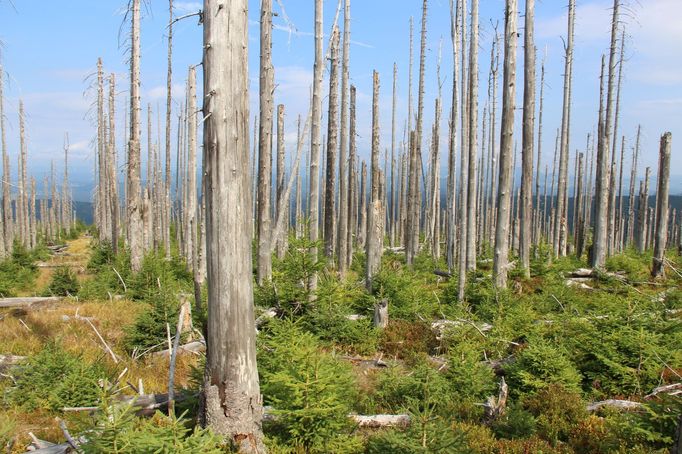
232, 403
526, 206
266, 87
501, 258
374, 211
657, 269
134, 201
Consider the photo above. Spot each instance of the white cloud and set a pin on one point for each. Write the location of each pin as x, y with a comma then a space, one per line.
186, 7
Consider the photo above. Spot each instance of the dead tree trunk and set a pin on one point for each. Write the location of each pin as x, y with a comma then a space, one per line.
316, 131
332, 143
472, 143
266, 88
526, 205
643, 212
657, 268
375, 209
560, 224
166, 219
112, 167
352, 181
7, 220
134, 202
601, 222
451, 208
281, 243
343, 243
501, 258
232, 403
631, 194
191, 204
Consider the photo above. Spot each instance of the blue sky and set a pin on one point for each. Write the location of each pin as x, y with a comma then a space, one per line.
50, 49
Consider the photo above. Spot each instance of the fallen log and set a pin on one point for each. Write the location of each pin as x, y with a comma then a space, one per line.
614, 403
265, 316
378, 421
440, 326
191, 347
674, 389
442, 273
365, 363
27, 301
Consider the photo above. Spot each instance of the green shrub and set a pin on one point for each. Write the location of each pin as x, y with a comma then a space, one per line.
7, 428
150, 327
63, 283
540, 365
515, 423
469, 377
557, 411
310, 391
54, 379
117, 430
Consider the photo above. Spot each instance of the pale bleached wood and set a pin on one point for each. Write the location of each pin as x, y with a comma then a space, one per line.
332, 144
375, 209
661, 234
342, 242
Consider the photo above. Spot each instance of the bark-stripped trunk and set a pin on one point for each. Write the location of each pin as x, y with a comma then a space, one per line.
613, 212
392, 200
375, 210
526, 205
580, 216
281, 243
112, 167
501, 258
352, 182
560, 225
601, 239
661, 234
643, 212
166, 219
472, 141
7, 220
332, 143
343, 243
266, 88
231, 400
134, 202
538, 220
191, 203
631, 193
451, 209
315, 145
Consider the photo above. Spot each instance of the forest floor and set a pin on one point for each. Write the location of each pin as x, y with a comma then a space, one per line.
563, 340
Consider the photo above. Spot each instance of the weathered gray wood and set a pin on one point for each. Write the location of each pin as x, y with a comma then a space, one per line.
375, 217
501, 257
614, 403
528, 126
379, 421
661, 235
27, 301
342, 239
472, 117
381, 314
7, 220
232, 403
133, 201
266, 89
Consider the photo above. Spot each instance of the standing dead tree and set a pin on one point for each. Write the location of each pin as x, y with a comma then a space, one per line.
501, 257
332, 143
134, 202
661, 234
232, 403
375, 217
7, 221
266, 88
343, 243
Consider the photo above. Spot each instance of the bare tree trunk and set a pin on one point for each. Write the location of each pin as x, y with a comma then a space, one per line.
600, 243
316, 128
191, 204
32, 214
134, 202
232, 403
413, 216
332, 143
112, 167
613, 222
472, 142
66, 192
501, 258
375, 210
266, 88
281, 174
657, 268
536, 227
406, 218
103, 221
643, 212
352, 181
7, 221
526, 206
343, 243
580, 216
452, 143
560, 224
362, 207
392, 201
631, 194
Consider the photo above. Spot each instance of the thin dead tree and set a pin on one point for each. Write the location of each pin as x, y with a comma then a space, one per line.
232, 403
528, 126
315, 145
166, 219
266, 88
643, 212
631, 193
191, 202
661, 234
501, 257
538, 220
343, 243
134, 202
601, 240
7, 220
451, 209
472, 139
375, 210
560, 224
352, 218
281, 243
112, 168
332, 143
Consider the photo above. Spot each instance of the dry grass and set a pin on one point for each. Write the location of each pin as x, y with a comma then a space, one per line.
26, 332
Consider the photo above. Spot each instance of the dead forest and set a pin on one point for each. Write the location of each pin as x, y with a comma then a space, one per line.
463, 287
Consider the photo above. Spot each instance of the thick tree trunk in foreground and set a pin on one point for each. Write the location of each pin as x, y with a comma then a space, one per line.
231, 401
526, 206
657, 268
266, 87
134, 201
501, 258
